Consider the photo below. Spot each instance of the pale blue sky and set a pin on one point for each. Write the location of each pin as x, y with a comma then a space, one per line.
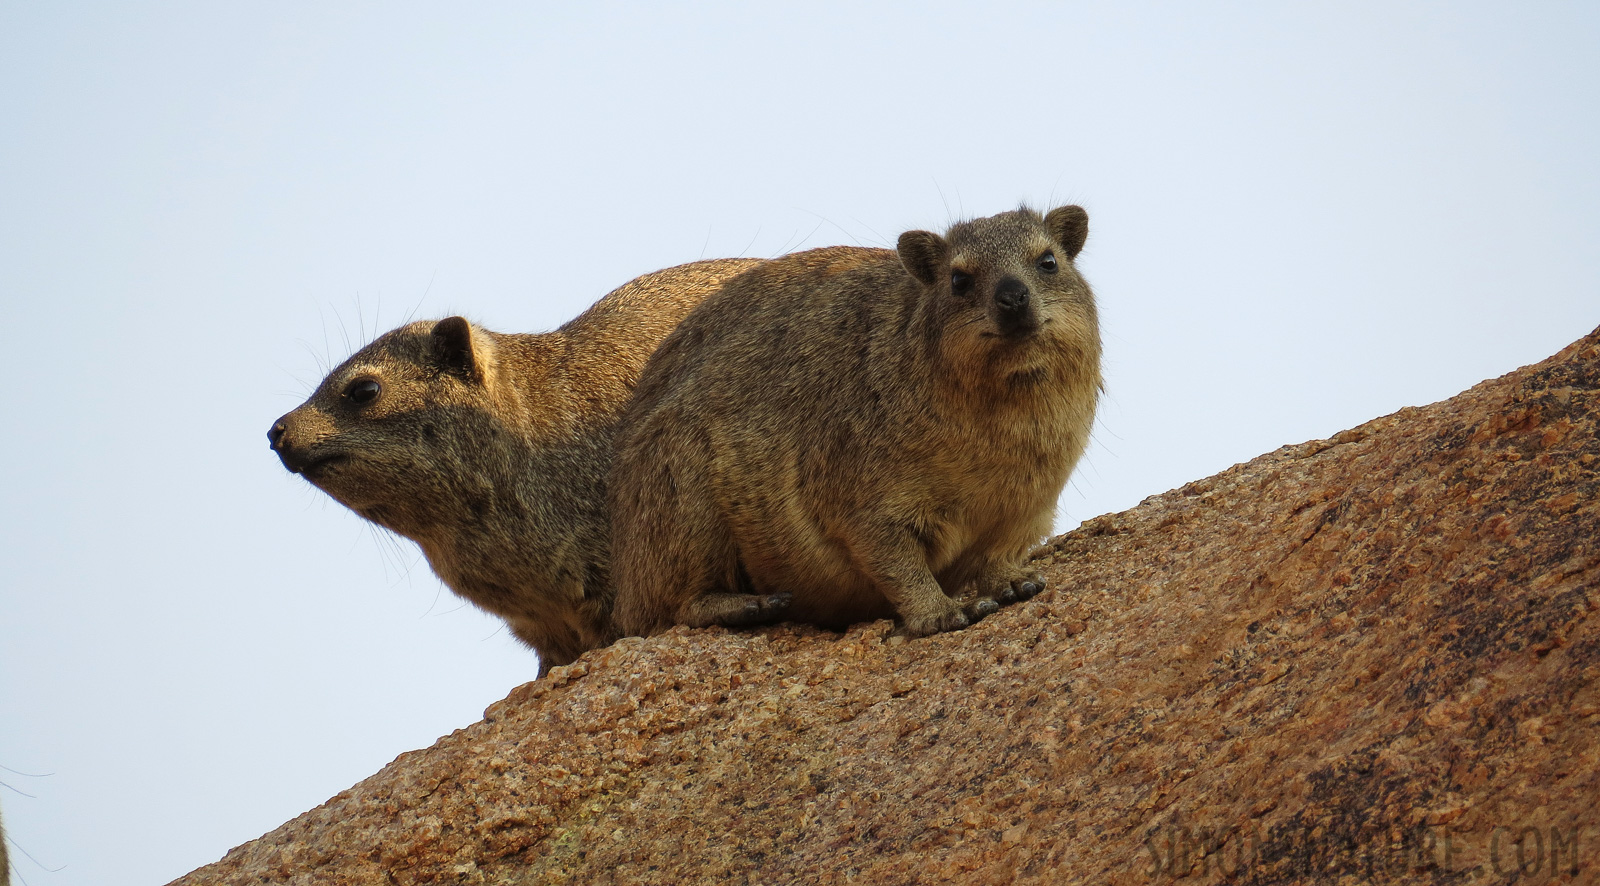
1302, 216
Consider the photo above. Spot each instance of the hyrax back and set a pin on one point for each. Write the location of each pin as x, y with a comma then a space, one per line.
491, 450
847, 434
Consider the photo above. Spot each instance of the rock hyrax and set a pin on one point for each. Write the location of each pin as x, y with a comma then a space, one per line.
848, 434
490, 450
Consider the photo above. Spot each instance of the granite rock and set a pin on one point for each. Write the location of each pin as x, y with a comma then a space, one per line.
1373, 658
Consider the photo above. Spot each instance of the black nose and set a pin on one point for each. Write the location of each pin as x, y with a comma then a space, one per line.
275, 434
1011, 294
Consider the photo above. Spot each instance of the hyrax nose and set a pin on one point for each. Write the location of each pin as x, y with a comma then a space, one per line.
275, 434
1011, 294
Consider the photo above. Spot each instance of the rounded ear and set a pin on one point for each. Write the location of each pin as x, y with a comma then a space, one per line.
923, 253
1069, 225
451, 347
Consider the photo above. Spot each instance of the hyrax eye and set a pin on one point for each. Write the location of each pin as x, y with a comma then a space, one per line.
960, 282
363, 391
1047, 263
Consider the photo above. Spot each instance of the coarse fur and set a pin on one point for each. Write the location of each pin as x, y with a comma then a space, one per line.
490, 450
847, 434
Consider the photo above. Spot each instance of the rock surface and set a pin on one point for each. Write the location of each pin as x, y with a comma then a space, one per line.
1366, 659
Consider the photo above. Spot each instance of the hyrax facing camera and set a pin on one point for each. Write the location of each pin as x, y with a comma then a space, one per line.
490, 451
848, 434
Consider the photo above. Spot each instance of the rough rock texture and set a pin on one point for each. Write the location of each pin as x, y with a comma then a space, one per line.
1366, 659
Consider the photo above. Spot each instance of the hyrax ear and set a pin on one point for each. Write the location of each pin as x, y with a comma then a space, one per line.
923, 253
1069, 225
450, 346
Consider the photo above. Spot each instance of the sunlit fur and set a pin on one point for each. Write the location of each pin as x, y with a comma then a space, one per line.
829, 426
491, 450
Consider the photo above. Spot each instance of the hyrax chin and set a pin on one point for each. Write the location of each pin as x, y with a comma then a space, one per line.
491, 450
849, 434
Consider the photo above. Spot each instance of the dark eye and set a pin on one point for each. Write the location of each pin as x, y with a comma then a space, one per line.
363, 391
1047, 263
960, 282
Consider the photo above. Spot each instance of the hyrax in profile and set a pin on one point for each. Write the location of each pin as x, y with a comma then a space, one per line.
490, 451
848, 434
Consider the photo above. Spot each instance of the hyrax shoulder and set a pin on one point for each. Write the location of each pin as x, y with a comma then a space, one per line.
491, 450
846, 434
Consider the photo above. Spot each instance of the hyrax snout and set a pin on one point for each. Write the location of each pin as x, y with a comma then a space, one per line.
396, 432
491, 450
1014, 314
846, 434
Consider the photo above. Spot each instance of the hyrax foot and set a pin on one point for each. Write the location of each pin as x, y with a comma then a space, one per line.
1028, 586
948, 618
976, 609
761, 609
1012, 588
735, 610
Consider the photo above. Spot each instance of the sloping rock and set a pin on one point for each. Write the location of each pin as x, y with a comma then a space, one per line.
1366, 659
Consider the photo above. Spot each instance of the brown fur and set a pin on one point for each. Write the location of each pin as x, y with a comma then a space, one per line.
839, 435
490, 450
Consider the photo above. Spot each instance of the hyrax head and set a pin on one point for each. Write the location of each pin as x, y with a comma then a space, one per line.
1002, 281
400, 431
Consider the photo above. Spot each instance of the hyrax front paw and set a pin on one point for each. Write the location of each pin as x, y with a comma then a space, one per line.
948, 617
1028, 586
976, 609
1012, 588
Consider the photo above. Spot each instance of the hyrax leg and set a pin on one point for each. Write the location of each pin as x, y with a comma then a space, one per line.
674, 557
894, 559
709, 580
537, 636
